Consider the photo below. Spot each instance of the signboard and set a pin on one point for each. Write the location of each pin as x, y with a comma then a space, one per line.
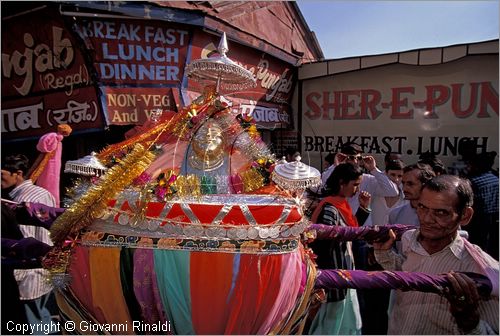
132, 52
34, 116
124, 106
45, 81
40, 55
404, 109
266, 115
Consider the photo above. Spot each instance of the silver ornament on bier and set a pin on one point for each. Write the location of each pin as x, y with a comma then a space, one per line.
227, 74
86, 166
296, 175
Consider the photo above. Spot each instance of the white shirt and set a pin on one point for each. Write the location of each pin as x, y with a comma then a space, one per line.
33, 282
380, 210
377, 184
420, 313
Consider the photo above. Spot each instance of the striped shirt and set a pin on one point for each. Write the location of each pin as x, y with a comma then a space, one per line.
419, 313
33, 282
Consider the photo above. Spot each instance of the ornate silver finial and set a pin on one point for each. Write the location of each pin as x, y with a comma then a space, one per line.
282, 160
223, 48
226, 74
296, 175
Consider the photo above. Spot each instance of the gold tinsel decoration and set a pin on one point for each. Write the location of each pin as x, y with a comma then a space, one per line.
252, 180
92, 204
188, 185
144, 138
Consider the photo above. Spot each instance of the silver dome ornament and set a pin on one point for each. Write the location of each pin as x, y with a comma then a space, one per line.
227, 74
86, 166
296, 175
282, 160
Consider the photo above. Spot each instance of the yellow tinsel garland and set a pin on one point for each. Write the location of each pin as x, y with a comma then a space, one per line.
94, 202
144, 138
252, 180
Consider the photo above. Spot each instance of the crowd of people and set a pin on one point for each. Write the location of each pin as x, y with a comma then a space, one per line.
455, 220
456, 230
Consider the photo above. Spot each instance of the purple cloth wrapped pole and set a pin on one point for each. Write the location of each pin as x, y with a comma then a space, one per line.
36, 214
23, 253
367, 233
406, 281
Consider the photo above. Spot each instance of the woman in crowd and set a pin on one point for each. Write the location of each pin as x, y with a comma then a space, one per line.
340, 314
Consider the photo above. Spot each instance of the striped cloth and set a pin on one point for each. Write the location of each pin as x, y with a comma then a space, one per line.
419, 313
33, 282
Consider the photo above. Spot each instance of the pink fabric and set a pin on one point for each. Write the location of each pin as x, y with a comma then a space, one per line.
487, 264
146, 287
171, 158
291, 268
50, 176
81, 285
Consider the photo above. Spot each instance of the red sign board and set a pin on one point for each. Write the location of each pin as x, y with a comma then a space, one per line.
40, 54
265, 115
126, 106
33, 116
132, 52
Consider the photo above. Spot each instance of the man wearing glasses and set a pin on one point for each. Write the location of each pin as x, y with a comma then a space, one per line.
415, 177
435, 247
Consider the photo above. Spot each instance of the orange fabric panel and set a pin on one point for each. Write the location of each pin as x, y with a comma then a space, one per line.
106, 285
211, 276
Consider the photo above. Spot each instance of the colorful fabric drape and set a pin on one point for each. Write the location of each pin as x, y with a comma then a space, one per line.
107, 294
172, 274
212, 292
146, 287
405, 281
196, 292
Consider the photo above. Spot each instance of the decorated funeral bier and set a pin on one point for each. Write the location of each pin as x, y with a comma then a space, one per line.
187, 228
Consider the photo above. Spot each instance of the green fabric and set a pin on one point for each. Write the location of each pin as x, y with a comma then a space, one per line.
338, 318
172, 274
